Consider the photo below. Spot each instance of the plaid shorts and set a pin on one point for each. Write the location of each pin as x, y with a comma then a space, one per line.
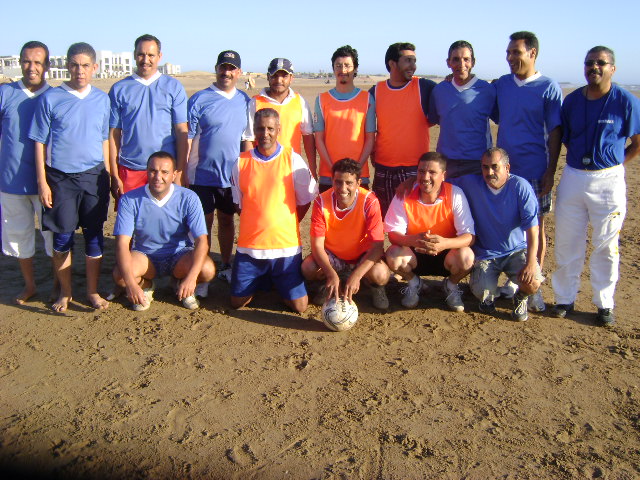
544, 203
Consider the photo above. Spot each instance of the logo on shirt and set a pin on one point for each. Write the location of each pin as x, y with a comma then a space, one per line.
605, 120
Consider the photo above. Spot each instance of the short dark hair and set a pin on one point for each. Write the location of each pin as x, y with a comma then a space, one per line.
345, 51
146, 38
36, 44
530, 40
81, 48
603, 49
266, 112
393, 52
504, 156
163, 154
435, 157
346, 165
461, 44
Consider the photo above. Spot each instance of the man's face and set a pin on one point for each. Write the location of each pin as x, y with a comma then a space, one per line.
160, 175
405, 67
430, 177
266, 131
279, 82
33, 64
598, 69
227, 76
495, 173
460, 62
344, 70
81, 69
521, 61
147, 58
345, 186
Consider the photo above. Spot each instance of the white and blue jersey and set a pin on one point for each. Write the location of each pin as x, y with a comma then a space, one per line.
217, 120
500, 217
17, 157
598, 129
73, 125
463, 115
160, 227
527, 111
146, 111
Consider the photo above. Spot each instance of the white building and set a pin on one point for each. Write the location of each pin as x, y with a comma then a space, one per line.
10, 66
170, 69
114, 65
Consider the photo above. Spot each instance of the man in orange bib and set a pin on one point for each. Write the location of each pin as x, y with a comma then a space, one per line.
431, 230
347, 237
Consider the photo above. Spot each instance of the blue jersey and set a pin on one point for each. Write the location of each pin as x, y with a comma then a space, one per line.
160, 227
73, 126
17, 157
146, 111
502, 218
527, 111
598, 129
216, 124
463, 115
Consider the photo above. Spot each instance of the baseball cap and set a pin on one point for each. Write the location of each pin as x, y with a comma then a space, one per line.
280, 64
231, 57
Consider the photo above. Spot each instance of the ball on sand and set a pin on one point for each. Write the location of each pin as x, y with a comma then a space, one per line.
339, 316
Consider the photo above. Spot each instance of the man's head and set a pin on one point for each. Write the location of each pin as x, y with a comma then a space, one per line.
279, 76
161, 173
495, 167
522, 54
346, 180
81, 63
34, 62
344, 63
147, 53
400, 61
599, 66
461, 61
431, 172
228, 70
266, 127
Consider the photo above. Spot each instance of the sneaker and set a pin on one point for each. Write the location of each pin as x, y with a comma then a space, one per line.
225, 273
508, 290
379, 297
321, 296
202, 290
561, 310
191, 302
411, 294
605, 317
536, 303
519, 313
148, 294
453, 296
488, 308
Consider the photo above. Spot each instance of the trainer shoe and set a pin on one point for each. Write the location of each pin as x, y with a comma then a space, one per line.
508, 290
379, 297
453, 296
561, 310
191, 302
536, 303
202, 290
519, 313
321, 296
225, 273
488, 308
605, 317
411, 294
148, 294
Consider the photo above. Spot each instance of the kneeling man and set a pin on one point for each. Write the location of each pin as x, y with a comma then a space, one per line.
347, 237
162, 218
431, 230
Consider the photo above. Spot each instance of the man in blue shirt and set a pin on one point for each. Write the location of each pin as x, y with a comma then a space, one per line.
597, 121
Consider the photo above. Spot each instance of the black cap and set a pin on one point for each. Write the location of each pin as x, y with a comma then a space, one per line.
231, 57
278, 64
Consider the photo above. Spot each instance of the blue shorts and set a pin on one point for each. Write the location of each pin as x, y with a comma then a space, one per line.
250, 275
164, 264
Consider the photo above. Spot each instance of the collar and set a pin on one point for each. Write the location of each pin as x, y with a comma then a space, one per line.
80, 95
31, 94
259, 156
521, 83
163, 202
466, 86
148, 81
286, 100
227, 95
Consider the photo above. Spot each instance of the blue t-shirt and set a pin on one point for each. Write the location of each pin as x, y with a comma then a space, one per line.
73, 125
216, 124
502, 218
17, 157
146, 112
160, 228
526, 115
464, 119
599, 128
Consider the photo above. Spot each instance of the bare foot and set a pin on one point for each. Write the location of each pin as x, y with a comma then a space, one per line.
61, 304
97, 302
25, 295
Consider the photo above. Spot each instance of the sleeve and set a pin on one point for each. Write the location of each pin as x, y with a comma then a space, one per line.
434, 118
41, 124
396, 218
426, 87
318, 223
195, 216
632, 120
125, 218
107, 115
462, 219
373, 218
527, 205
114, 113
372, 92
495, 113
564, 118
303, 182
235, 183
193, 116
370, 120
306, 124
552, 106
248, 131
318, 117
179, 105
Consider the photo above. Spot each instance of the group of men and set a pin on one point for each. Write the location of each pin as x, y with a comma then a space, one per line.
466, 208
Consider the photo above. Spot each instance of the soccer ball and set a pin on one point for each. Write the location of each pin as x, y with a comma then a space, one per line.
339, 316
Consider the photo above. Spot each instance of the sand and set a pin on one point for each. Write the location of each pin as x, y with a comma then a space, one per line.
263, 393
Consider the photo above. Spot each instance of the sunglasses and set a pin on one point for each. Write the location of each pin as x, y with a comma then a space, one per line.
600, 63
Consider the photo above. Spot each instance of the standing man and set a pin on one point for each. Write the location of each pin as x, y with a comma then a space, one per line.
273, 189
71, 131
148, 114
217, 117
18, 187
295, 115
462, 108
597, 120
402, 106
344, 121
528, 112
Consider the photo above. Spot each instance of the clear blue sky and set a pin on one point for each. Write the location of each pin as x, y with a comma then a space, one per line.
193, 32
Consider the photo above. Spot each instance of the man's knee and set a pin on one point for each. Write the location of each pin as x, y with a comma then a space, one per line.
398, 258
208, 270
379, 274
299, 305
239, 302
460, 260
310, 269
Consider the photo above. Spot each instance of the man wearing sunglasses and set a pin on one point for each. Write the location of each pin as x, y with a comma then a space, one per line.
597, 120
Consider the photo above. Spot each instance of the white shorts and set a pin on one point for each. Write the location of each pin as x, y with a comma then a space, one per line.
18, 225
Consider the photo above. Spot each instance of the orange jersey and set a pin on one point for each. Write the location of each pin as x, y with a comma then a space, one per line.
436, 218
290, 120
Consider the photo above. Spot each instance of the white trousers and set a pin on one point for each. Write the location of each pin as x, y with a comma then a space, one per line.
18, 225
597, 197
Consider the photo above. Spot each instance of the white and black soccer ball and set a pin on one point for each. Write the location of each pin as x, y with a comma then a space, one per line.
339, 316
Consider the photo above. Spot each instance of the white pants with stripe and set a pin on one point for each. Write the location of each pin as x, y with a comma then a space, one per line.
18, 225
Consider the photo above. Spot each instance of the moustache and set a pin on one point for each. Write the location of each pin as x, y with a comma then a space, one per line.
593, 70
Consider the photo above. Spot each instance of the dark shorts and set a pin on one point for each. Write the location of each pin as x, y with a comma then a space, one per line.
215, 198
250, 275
544, 203
431, 265
79, 199
387, 179
458, 168
165, 264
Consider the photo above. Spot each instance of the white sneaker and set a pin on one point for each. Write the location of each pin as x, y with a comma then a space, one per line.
202, 290
453, 296
148, 294
225, 273
508, 290
379, 297
191, 302
536, 303
411, 294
